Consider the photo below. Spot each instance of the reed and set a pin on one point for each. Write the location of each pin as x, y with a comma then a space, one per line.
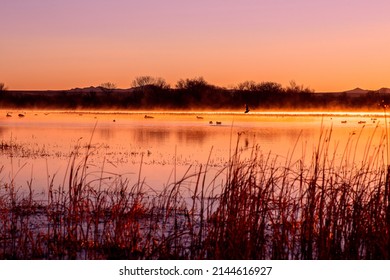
256, 207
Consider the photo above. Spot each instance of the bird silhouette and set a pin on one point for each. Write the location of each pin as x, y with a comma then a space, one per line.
246, 109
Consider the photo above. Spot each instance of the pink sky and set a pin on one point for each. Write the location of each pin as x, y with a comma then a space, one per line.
327, 45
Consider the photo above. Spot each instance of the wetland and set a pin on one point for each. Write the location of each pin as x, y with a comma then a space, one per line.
194, 185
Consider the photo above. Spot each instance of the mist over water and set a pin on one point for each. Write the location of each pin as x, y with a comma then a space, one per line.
165, 145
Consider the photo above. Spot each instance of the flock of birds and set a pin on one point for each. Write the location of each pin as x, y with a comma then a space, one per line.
201, 118
362, 122
22, 115
19, 115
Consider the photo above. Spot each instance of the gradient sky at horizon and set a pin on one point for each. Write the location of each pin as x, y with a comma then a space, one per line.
327, 45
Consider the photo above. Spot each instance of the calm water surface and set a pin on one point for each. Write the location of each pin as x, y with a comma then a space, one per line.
38, 146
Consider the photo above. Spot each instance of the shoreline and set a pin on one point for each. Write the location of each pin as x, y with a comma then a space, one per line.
264, 113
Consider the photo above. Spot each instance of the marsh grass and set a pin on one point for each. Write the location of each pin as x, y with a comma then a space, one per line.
334, 207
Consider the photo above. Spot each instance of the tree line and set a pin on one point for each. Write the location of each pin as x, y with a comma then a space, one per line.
149, 92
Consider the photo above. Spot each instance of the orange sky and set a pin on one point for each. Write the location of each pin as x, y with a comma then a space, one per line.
325, 45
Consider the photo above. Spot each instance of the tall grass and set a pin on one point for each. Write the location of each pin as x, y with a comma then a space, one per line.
333, 207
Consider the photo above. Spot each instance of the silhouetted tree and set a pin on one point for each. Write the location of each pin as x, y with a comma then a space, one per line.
196, 92
151, 91
143, 81
295, 88
161, 83
247, 86
192, 84
108, 87
301, 97
3, 87
270, 88
264, 94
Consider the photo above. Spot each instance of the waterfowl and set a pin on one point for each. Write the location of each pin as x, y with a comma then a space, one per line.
9, 115
246, 109
21, 115
148, 117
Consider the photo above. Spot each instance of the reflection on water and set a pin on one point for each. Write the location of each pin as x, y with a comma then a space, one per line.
150, 135
39, 145
106, 133
189, 137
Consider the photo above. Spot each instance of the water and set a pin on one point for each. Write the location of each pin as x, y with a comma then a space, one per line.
160, 149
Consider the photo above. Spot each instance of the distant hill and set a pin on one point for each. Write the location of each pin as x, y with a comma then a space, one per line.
357, 91
98, 90
384, 91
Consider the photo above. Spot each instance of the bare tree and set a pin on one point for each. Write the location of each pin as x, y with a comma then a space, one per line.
108, 87
247, 85
270, 87
161, 83
295, 88
143, 81
3, 87
190, 84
